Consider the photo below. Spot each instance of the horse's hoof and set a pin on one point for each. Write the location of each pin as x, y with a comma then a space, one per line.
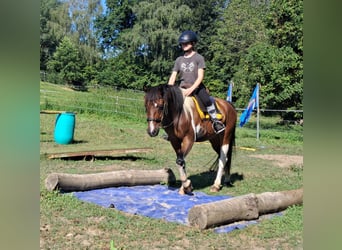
215, 189
186, 188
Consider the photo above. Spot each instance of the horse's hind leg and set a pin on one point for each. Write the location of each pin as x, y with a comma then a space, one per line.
221, 165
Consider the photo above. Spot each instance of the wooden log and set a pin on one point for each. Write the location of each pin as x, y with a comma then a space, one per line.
246, 207
269, 202
83, 182
224, 212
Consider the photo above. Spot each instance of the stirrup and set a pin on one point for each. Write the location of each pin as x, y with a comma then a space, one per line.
218, 126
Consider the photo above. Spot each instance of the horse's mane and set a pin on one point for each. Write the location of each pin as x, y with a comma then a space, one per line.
174, 97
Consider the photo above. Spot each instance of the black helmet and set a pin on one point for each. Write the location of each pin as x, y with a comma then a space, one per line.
187, 36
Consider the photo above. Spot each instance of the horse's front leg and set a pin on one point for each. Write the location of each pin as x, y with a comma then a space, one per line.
182, 148
222, 162
186, 187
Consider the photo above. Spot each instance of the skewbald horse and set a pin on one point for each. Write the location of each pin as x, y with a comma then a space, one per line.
167, 108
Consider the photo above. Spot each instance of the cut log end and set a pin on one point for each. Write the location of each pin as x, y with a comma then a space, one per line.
51, 182
198, 218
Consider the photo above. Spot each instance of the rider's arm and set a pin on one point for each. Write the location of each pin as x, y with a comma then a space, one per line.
172, 78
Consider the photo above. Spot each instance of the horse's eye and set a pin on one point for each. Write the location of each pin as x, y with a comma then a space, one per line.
161, 108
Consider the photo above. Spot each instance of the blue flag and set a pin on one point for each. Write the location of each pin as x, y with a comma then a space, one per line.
230, 93
252, 104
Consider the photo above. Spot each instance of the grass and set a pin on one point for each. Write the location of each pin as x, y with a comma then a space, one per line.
67, 223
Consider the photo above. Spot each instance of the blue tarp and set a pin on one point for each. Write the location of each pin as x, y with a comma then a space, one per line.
155, 201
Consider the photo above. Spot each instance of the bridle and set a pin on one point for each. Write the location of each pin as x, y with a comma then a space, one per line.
164, 112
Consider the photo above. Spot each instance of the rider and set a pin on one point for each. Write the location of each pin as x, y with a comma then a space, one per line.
191, 68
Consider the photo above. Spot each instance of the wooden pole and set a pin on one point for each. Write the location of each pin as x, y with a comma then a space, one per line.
246, 207
82, 182
269, 202
258, 113
224, 212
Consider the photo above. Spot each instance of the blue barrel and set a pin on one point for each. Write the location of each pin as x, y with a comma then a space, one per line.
64, 128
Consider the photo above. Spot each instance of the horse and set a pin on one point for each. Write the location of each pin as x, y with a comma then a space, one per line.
167, 108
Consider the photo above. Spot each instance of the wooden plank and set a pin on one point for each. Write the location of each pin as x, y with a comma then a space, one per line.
94, 153
53, 112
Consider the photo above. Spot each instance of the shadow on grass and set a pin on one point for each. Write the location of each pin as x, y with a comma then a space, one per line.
79, 141
102, 158
206, 179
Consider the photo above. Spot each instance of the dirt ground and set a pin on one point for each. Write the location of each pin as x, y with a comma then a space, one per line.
282, 160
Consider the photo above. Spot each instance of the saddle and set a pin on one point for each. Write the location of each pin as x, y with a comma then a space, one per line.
202, 111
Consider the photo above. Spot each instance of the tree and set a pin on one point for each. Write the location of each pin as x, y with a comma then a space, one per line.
205, 15
277, 64
66, 63
54, 25
82, 15
278, 70
118, 17
285, 24
240, 26
147, 32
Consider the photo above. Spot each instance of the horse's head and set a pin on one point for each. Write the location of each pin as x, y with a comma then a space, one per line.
154, 105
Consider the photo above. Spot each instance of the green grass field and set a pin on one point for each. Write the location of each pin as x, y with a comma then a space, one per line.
67, 223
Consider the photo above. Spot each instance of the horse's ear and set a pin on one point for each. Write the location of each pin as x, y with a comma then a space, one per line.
146, 88
163, 88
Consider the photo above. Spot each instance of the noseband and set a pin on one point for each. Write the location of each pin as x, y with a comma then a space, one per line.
161, 108
154, 120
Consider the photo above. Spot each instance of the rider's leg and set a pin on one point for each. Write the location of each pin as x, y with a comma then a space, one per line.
218, 126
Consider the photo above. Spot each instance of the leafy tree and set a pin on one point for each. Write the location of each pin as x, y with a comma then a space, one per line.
82, 14
285, 24
66, 63
276, 64
240, 26
153, 39
118, 17
278, 70
147, 31
205, 15
54, 25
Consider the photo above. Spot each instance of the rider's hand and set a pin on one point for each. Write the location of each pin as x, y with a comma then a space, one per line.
188, 91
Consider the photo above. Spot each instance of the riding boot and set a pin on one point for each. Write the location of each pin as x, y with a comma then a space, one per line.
218, 126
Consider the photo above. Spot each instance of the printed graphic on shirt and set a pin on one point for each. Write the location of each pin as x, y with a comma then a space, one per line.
187, 67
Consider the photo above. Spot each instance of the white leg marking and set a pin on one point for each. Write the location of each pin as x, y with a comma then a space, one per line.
222, 162
182, 174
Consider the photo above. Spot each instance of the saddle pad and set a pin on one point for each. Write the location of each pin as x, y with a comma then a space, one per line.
202, 111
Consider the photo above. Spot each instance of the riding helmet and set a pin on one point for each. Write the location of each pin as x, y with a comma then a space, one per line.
187, 36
